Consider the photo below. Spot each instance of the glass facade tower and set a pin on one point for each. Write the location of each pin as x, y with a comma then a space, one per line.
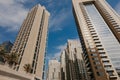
108, 40
99, 30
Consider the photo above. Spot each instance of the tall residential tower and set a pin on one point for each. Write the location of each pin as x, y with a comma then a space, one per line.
30, 43
99, 31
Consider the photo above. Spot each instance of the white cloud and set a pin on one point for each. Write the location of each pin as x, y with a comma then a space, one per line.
12, 14
23, 1
56, 55
57, 21
117, 7
62, 47
48, 57
53, 56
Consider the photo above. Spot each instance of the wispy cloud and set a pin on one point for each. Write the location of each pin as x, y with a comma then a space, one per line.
57, 21
59, 13
117, 7
12, 14
56, 55
61, 47
23, 1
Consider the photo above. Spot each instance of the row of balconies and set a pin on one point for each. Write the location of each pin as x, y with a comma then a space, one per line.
102, 50
111, 20
97, 42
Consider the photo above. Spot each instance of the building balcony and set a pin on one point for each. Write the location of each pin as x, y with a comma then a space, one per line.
85, 57
107, 65
89, 73
88, 68
88, 64
105, 60
103, 56
113, 77
117, 27
86, 60
110, 70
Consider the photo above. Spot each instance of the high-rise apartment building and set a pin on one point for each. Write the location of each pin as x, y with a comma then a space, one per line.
53, 70
98, 27
30, 43
72, 64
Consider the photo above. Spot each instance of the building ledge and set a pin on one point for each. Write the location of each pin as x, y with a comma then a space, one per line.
6, 73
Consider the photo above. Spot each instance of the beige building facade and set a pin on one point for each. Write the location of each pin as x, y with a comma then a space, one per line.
72, 63
7, 73
53, 70
30, 43
63, 66
98, 27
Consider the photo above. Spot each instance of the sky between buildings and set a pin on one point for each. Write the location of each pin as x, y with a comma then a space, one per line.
61, 24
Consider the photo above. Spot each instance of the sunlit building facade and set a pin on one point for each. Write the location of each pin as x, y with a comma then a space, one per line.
30, 43
53, 70
63, 66
72, 63
98, 27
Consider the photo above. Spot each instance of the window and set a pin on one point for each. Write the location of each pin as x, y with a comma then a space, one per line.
96, 62
53, 75
34, 55
75, 50
100, 73
94, 54
100, 50
98, 67
93, 50
108, 67
95, 58
97, 42
110, 73
54, 69
96, 39
36, 78
106, 62
33, 63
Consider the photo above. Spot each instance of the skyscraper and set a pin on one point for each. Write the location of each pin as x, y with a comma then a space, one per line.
72, 64
30, 43
98, 27
53, 70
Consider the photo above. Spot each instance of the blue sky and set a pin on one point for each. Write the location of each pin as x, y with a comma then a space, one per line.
61, 24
